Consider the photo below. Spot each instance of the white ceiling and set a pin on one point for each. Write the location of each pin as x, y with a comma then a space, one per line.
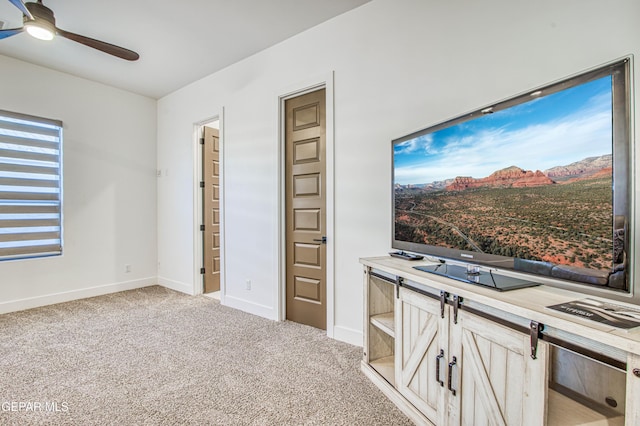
178, 41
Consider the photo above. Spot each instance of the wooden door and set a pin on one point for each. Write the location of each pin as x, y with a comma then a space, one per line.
496, 380
305, 209
211, 209
421, 348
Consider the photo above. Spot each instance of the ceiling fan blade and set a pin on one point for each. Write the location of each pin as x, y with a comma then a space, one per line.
20, 5
109, 48
10, 32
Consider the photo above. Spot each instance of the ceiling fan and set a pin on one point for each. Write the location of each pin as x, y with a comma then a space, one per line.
39, 21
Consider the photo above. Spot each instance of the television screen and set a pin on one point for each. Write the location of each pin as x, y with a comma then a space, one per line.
537, 183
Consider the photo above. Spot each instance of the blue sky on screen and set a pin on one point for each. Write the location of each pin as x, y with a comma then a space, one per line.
553, 130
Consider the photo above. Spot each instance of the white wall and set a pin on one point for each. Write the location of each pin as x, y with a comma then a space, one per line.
109, 155
400, 65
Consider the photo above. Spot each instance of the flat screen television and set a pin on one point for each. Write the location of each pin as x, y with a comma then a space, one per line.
538, 184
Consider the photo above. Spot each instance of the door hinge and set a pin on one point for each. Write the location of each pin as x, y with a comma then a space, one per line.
535, 331
202, 270
201, 184
399, 283
201, 141
457, 300
202, 227
443, 302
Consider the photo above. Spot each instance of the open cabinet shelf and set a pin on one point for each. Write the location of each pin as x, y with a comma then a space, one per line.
386, 368
564, 411
385, 322
380, 342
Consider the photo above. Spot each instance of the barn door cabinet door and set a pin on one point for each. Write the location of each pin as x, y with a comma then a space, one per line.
495, 381
421, 352
466, 370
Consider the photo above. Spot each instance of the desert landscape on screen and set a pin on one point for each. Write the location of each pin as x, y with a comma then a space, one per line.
562, 215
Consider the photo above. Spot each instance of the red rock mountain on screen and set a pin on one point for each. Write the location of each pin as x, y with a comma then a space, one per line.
513, 177
588, 166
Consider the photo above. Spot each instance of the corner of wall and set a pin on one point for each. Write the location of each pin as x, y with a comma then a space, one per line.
348, 335
176, 285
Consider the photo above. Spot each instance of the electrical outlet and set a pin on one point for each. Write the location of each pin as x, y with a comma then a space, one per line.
248, 283
127, 268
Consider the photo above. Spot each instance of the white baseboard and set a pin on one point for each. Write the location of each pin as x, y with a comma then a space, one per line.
176, 285
67, 296
250, 307
348, 335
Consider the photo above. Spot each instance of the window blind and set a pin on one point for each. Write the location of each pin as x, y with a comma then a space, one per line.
30, 186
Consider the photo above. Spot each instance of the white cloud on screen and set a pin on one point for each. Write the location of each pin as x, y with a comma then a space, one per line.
423, 143
536, 147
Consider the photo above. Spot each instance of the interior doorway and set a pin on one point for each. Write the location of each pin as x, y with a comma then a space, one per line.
210, 226
305, 209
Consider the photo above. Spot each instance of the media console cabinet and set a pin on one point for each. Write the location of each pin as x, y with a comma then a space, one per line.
451, 353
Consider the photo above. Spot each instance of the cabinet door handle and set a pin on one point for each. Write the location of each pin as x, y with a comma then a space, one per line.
438, 358
451, 364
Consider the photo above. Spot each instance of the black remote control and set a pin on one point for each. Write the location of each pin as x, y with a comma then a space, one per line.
406, 256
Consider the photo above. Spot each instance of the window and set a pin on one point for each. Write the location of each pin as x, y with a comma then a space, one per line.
30, 186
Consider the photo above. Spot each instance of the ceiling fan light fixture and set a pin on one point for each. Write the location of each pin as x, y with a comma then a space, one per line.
41, 30
40, 22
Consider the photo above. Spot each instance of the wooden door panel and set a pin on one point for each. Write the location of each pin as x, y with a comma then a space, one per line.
306, 116
306, 151
211, 209
307, 289
306, 185
305, 209
500, 384
421, 337
307, 219
486, 400
422, 330
307, 255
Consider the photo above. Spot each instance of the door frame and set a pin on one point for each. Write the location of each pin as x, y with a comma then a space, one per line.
198, 236
323, 81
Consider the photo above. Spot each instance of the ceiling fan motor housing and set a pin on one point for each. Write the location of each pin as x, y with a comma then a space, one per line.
41, 14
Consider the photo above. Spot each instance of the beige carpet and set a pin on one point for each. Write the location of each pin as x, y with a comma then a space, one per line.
157, 357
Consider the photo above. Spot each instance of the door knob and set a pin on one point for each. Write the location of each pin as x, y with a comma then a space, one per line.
322, 240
